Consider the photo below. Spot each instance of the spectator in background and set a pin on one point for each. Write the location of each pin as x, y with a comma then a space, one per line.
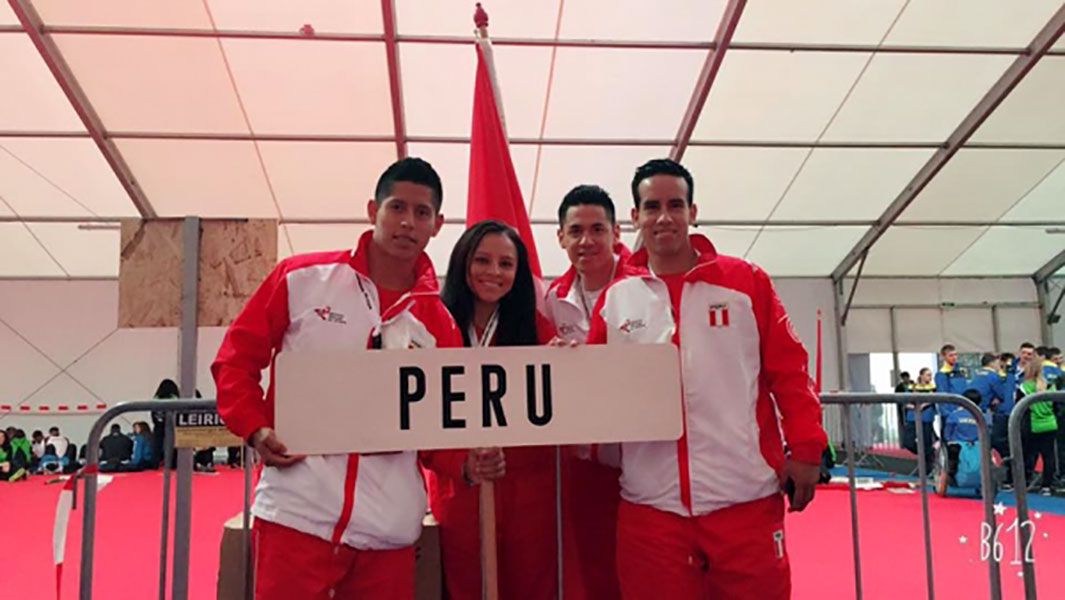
58, 441
1051, 371
1055, 357
6, 469
923, 385
909, 432
996, 388
37, 444
1025, 355
21, 454
143, 445
905, 383
1040, 430
167, 389
952, 379
115, 448
10, 432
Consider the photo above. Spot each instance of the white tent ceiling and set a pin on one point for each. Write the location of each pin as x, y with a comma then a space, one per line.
823, 113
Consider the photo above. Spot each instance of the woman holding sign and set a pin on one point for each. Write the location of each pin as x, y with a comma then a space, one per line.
490, 292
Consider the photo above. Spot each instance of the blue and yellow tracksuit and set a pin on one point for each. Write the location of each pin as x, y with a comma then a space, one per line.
958, 424
996, 389
1052, 373
929, 414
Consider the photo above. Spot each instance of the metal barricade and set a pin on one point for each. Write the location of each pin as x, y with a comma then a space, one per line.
92, 457
1020, 485
846, 402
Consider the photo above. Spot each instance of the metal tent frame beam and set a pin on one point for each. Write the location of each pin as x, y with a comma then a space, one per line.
1047, 271
520, 141
395, 83
1013, 75
725, 29
753, 223
53, 58
519, 41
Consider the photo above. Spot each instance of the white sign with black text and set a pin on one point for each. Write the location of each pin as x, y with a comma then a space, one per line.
388, 400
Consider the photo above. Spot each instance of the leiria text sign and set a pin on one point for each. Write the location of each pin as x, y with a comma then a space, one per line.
388, 400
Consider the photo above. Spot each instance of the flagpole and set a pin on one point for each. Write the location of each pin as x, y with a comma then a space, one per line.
489, 557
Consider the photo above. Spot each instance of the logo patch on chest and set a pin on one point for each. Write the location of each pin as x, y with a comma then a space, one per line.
328, 315
631, 325
719, 315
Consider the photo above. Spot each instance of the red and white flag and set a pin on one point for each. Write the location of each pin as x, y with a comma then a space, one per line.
494, 192
719, 315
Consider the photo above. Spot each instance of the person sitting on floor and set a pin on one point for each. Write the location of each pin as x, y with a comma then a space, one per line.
5, 457
115, 449
21, 455
142, 448
58, 441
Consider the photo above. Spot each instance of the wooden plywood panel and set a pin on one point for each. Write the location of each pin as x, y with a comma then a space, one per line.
149, 274
235, 257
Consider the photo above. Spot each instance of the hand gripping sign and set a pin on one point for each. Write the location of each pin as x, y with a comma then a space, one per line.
389, 400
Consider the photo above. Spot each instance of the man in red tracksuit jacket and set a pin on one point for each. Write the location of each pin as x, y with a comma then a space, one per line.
340, 526
704, 516
589, 233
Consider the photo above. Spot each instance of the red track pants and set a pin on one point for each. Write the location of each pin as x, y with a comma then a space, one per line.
526, 539
590, 496
733, 553
292, 564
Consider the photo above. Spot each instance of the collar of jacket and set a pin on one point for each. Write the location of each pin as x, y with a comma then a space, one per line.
564, 284
949, 369
705, 259
425, 283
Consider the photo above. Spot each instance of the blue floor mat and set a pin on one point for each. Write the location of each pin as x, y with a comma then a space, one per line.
1036, 502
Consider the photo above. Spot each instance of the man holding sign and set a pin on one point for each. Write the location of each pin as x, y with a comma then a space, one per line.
339, 525
714, 495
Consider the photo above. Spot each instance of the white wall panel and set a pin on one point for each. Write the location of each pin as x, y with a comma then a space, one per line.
868, 330
880, 291
72, 324
803, 298
969, 329
1018, 325
919, 329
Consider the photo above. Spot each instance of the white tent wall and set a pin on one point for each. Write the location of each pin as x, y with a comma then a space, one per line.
60, 345
933, 312
802, 298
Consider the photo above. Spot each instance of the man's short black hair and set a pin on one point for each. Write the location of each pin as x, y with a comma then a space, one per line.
411, 170
1027, 345
973, 396
582, 195
53, 428
904, 375
116, 428
1042, 351
1053, 351
947, 348
661, 166
987, 359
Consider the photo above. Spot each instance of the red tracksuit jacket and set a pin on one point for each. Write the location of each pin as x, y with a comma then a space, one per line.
741, 363
327, 301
